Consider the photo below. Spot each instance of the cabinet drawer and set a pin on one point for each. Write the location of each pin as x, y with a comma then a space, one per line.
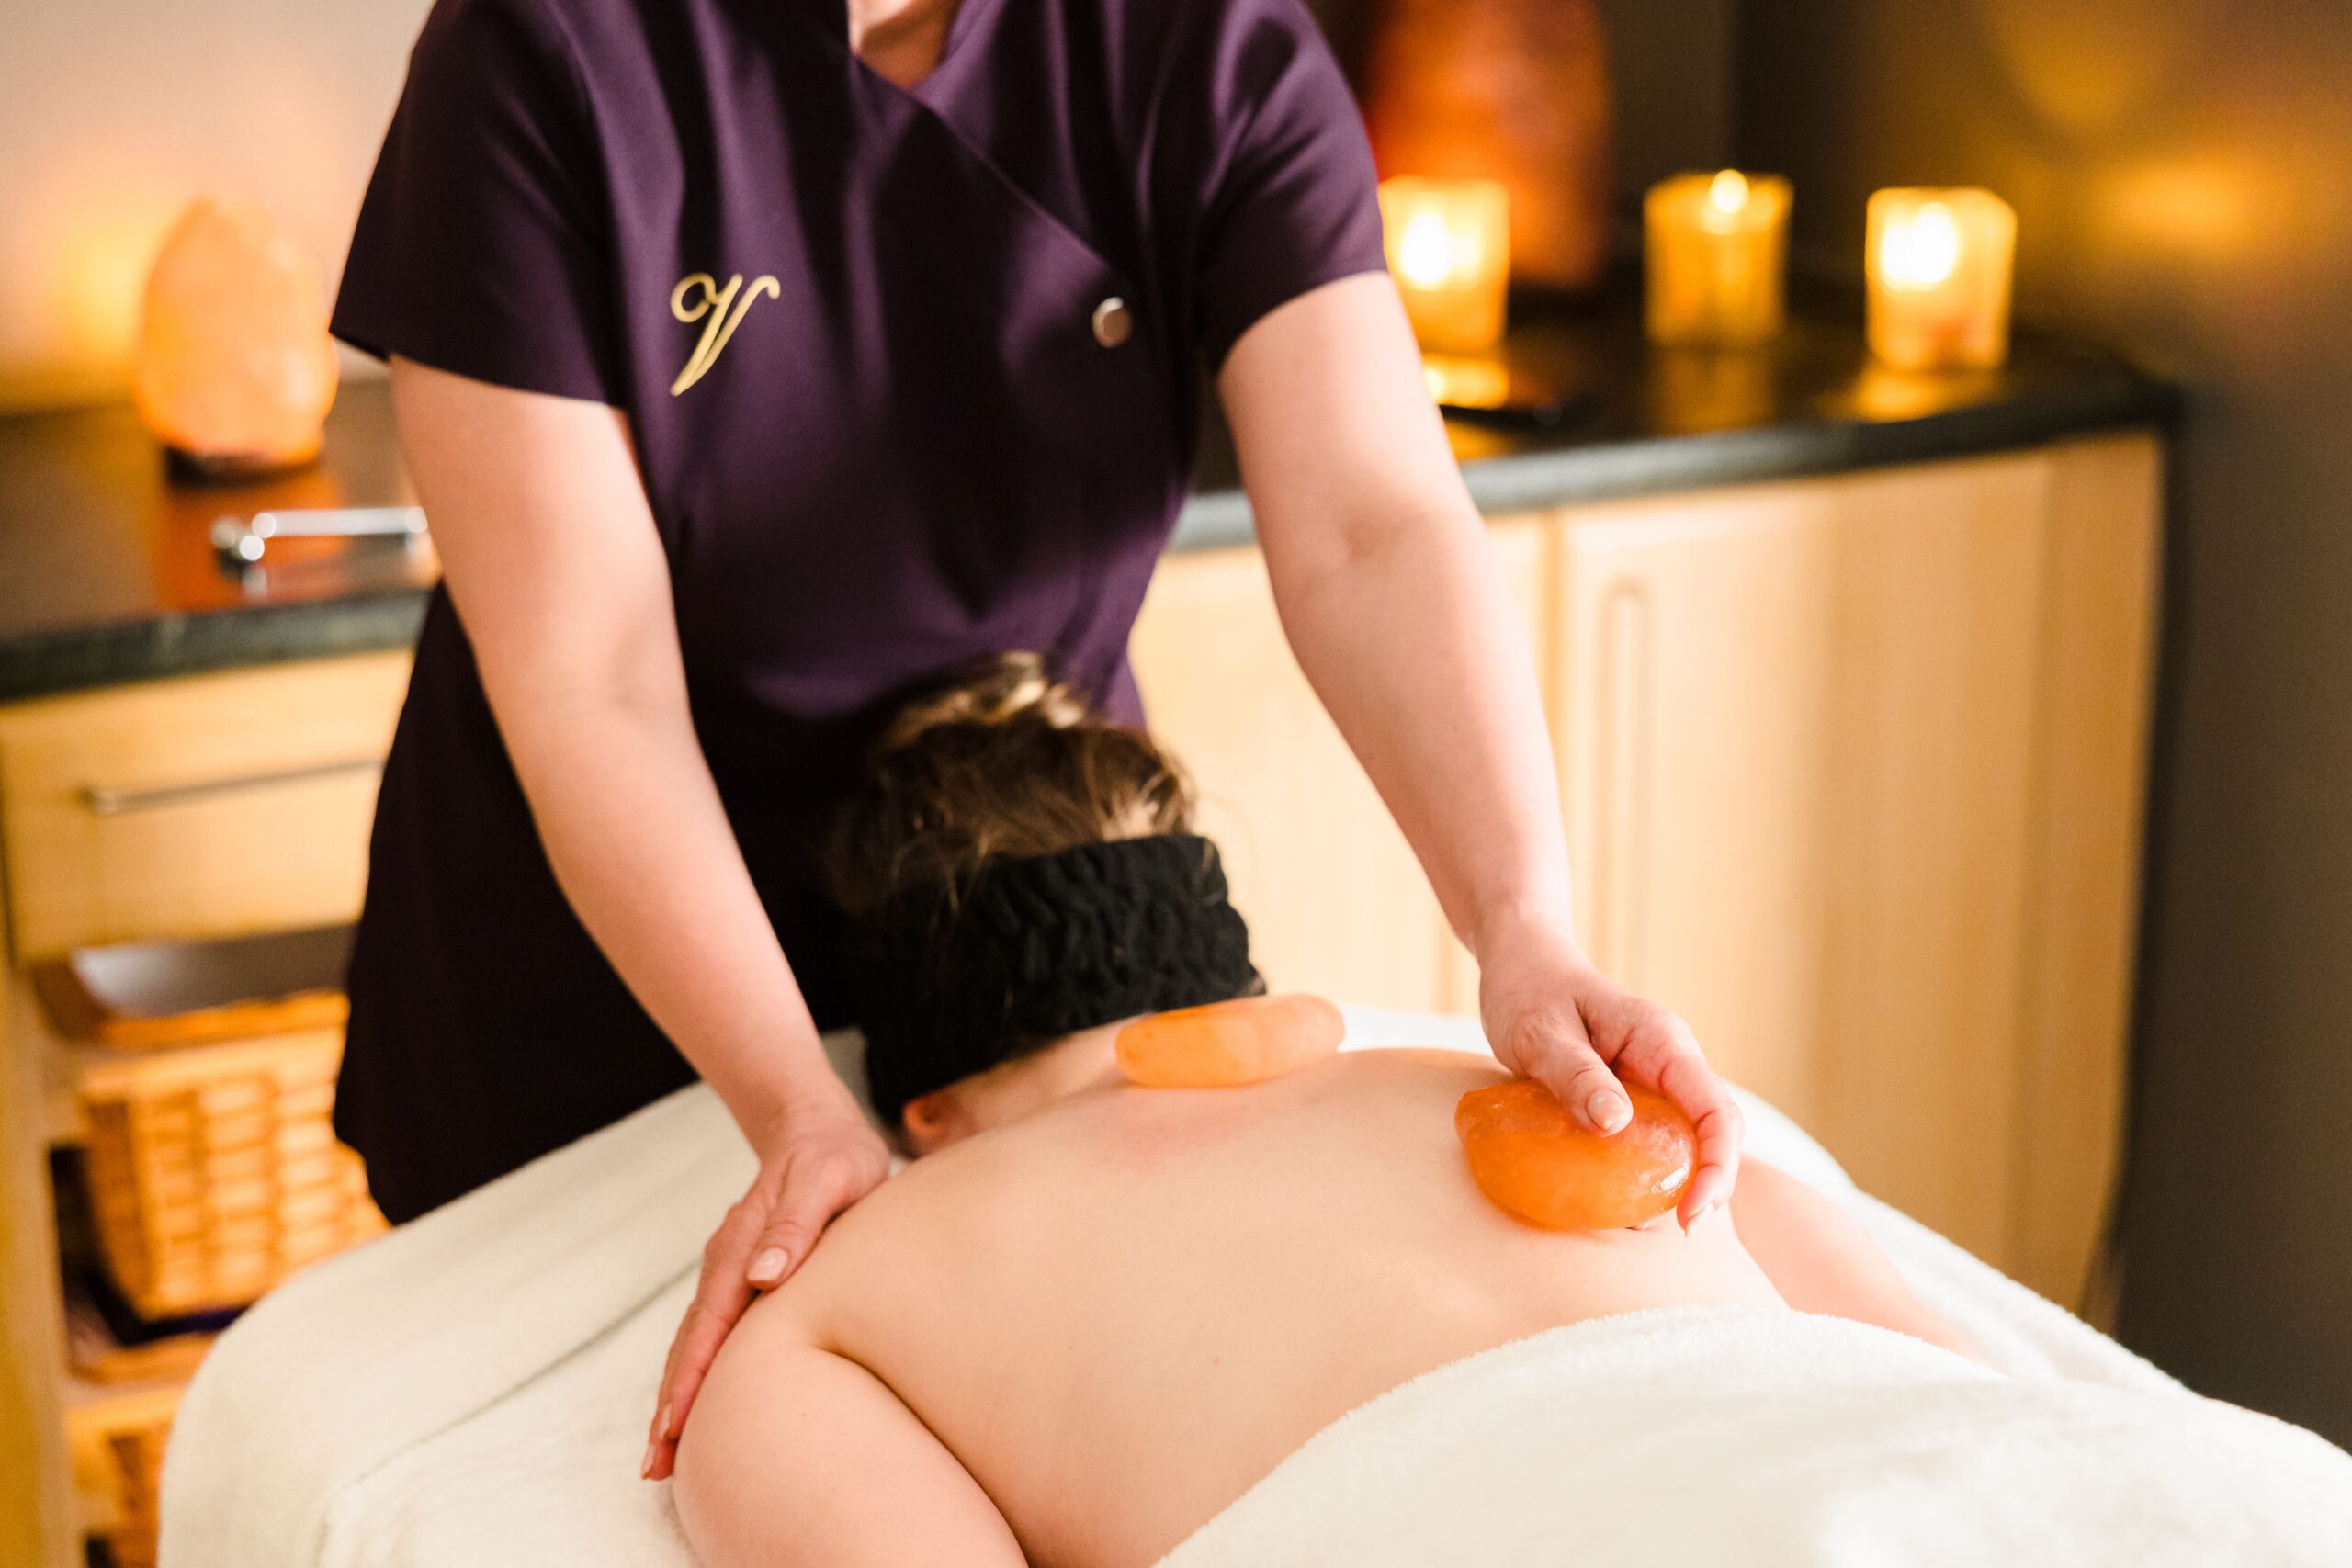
208, 807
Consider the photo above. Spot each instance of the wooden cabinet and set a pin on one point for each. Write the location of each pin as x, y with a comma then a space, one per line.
1852, 774
1335, 900
1798, 766
1831, 752
214, 806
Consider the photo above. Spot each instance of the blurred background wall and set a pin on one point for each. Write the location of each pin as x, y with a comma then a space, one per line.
112, 117
2178, 168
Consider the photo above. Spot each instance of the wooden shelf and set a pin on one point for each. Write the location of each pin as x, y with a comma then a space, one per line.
78, 1392
143, 995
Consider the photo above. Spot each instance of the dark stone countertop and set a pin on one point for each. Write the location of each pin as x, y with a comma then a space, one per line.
107, 573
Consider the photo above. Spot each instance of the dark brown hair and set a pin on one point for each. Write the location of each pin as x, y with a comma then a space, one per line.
1001, 762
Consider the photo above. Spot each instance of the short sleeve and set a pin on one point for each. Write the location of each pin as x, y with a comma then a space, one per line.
483, 242
1291, 202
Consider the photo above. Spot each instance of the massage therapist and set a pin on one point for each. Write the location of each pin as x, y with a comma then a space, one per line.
758, 359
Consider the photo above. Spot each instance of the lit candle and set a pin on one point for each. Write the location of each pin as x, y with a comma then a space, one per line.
1938, 263
1449, 249
1460, 382
1717, 247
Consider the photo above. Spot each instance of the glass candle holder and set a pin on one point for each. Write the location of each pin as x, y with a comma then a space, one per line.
1449, 250
1940, 263
1716, 250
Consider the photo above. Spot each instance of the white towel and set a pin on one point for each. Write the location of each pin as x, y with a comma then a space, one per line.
310, 1433
1745, 1436
472, 1390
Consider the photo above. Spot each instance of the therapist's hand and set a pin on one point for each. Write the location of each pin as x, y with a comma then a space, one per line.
820, 1157
1550, 1016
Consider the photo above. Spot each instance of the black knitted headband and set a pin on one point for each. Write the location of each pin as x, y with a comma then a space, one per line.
1039, 946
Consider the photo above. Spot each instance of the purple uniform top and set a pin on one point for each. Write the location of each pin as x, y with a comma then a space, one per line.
913, 377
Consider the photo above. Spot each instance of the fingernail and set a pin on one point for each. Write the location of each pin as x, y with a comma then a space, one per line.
1608, 1112
768, 1267
661, 1422
645, 1470
1701, 1213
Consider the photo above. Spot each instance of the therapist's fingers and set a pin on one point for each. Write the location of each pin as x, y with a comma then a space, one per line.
720, 1297
1660, 1051
1549, 1043
699, 1337
762, 1241
815, 1189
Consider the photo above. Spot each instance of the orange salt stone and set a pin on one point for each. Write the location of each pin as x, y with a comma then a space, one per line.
1532, 1159
1225, 1044
236, 369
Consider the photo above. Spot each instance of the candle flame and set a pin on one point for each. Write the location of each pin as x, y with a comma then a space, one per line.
1449, 248
1727, 192
1922, 251
1430, 252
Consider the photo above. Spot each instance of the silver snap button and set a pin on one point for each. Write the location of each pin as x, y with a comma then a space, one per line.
1114, 322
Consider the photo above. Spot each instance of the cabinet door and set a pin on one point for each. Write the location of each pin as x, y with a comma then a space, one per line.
1336, 901
1796, 738
1528, 549
203, 806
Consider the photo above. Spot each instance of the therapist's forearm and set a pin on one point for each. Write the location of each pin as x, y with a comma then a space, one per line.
634, 830
1395, 601
1407, 629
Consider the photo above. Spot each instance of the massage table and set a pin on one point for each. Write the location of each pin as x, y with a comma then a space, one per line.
472, 1391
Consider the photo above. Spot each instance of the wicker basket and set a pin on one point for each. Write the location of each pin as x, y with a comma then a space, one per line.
119, 1468
214, 1172
139, 1458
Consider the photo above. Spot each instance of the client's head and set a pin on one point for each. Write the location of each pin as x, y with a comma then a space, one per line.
1018, 872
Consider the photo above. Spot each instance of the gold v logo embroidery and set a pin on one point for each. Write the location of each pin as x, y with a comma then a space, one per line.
724, 308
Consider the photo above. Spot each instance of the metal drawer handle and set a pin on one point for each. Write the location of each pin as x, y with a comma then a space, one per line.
244, 541
101, 801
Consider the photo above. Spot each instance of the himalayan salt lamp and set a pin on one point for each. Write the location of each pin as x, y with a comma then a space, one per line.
1508, 90
1226, 1044
1534, 1162
235, 371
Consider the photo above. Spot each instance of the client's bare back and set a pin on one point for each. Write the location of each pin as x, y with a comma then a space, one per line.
1116, 1314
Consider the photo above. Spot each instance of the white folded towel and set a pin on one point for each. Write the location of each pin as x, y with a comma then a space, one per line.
1744, 1436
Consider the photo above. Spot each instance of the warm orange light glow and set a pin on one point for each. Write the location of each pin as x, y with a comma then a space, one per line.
1940, 264
1449, 248
1462, 382
234, 366
1717, 248
102, 268
1726, 194
1921, 251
